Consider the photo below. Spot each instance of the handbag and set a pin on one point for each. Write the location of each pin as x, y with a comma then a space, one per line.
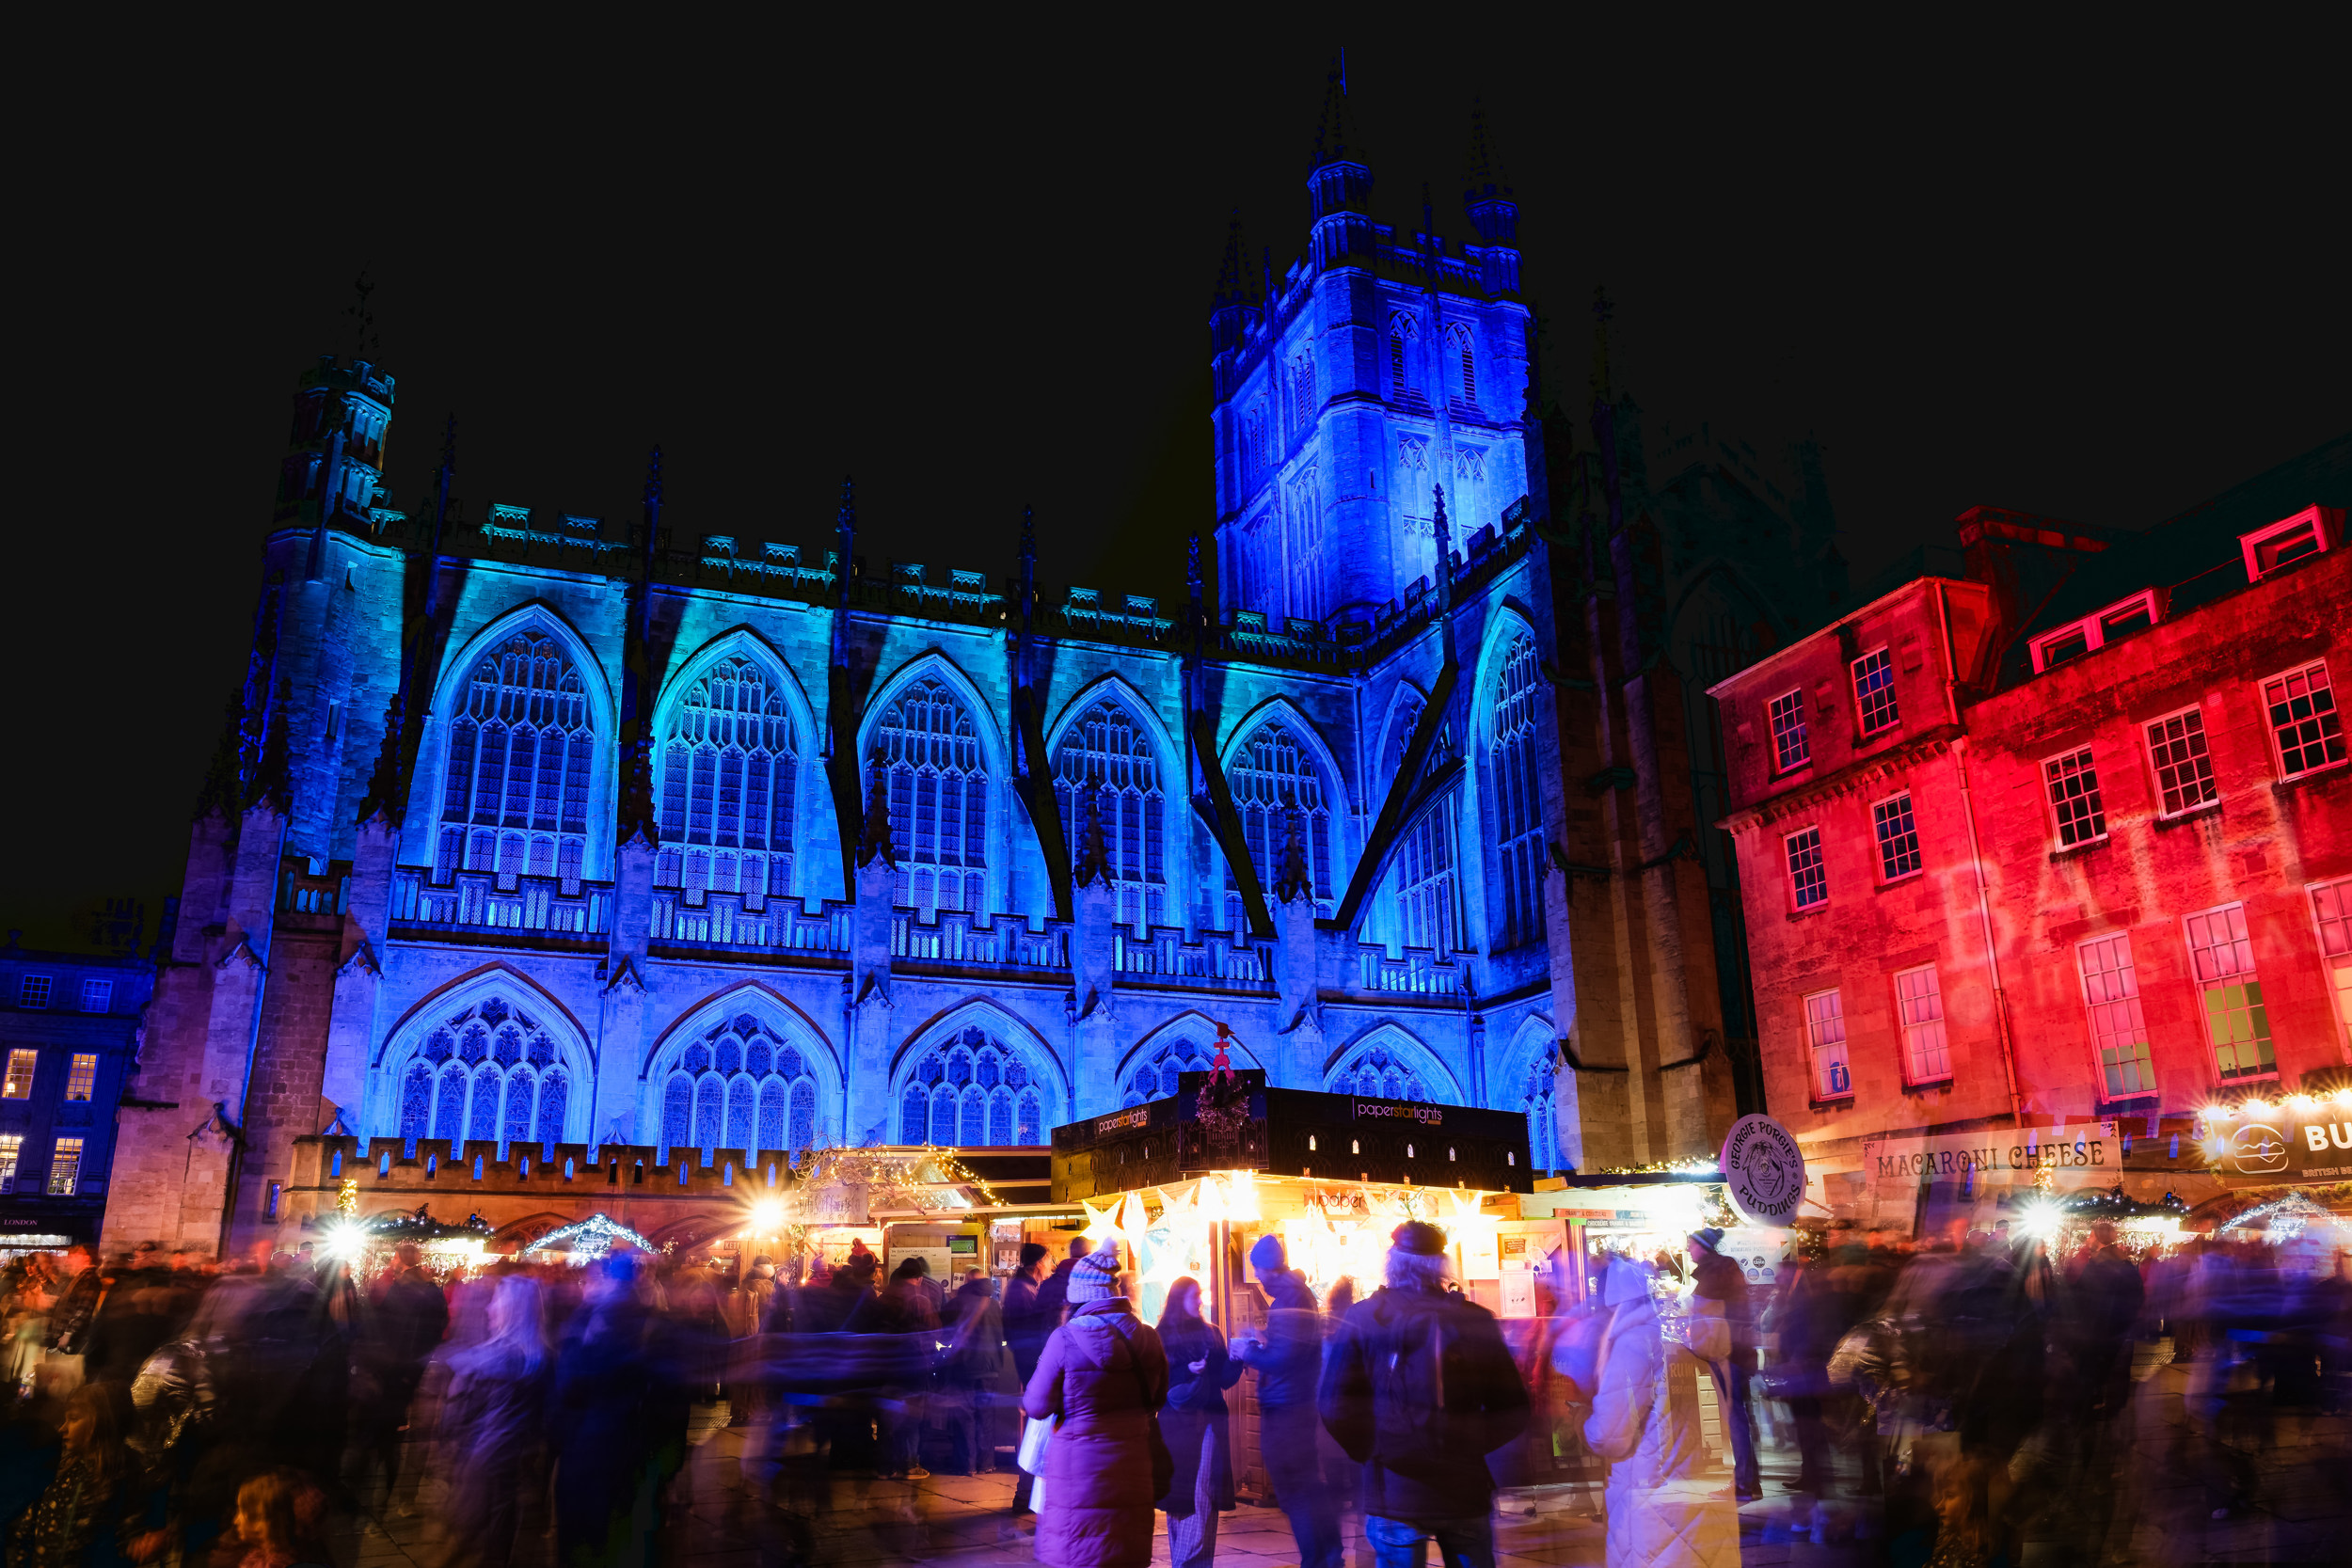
1030, 1456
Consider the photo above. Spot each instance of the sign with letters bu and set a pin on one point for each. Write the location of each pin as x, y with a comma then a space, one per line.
2303, 1138
1763, 1171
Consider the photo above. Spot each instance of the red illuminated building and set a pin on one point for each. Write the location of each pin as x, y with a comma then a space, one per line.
2060, 828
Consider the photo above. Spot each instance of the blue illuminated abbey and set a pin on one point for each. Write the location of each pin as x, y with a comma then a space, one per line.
535, 836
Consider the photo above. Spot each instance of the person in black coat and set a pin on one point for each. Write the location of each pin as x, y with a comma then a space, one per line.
1418, 1388
1197, 1427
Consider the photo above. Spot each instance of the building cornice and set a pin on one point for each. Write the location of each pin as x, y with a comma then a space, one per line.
1852, 779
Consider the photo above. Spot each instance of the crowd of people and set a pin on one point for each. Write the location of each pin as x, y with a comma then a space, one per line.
1970, 1393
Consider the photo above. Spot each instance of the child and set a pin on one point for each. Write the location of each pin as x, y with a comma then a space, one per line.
278, 1514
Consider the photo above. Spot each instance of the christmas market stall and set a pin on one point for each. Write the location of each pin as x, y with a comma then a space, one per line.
1186, 1185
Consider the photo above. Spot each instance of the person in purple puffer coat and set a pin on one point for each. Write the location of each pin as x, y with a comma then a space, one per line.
1104, 1375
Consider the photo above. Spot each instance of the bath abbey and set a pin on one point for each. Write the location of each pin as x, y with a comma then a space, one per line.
535, 836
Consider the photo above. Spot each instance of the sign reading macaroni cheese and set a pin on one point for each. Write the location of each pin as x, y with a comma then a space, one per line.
1763, 1171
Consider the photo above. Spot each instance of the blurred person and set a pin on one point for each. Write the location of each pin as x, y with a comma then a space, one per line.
1026, 1329
95, 1506
1645, 1423
1342, 1478
619, 1421
279, 1523
399, 1332
1418, 1388
1052, 1296
491, 1424
1103, 1374
902, 1319
1717, 1279
1196, 1425
972, 1368
749, 1306
1288, 1359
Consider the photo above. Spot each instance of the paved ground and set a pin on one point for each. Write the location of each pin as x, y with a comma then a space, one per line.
2162, 1502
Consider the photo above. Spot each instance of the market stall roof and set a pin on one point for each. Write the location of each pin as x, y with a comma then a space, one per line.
1295, 1132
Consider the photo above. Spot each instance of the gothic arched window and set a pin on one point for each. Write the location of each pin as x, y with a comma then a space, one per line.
1303, 392
971, 1090
1106, 765
730, 765
521, 752
1518, 803
1423, 890
929, 751
1377, 1072
1458, 341
1273, 776
1303, 546
1156, 1078
490, 1072
1465, 504
1536, 1099
740, 1086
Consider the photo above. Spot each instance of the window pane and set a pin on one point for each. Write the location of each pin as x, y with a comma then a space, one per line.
1898, 837
1825, 1032
1874, 691
33, 991
2073, 786
97, 995
82, 1078
20, 1079
2118, 1034
1808, 881
65, 1167
2176, 747
1790, 748
2303, 717
1920, 1001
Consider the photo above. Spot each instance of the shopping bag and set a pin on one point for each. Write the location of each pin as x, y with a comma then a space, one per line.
1030, 1456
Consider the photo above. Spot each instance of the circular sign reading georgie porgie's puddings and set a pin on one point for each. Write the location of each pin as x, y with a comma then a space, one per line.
1763, 1171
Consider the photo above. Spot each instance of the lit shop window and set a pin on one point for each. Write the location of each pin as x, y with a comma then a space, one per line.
11, 1149
19, 1085
82, 1078
65, 1167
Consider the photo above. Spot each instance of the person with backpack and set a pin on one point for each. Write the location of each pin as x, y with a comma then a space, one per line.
1104, 1375
1418, 1388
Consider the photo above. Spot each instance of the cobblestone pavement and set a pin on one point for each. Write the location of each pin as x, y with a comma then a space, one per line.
2160, 1507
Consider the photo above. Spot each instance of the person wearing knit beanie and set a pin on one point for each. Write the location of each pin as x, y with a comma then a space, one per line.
1094, 1277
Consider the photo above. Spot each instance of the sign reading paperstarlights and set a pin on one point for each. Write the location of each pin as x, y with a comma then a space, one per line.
1763, 1171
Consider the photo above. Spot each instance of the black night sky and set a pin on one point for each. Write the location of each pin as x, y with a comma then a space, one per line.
2099, 277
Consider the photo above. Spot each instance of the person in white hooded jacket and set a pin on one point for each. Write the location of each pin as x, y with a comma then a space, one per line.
1663, 1511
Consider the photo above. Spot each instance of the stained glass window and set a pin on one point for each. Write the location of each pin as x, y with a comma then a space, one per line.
1513, 776
729, 778
929, 750
519, 755
1107, 758
1378, 1073
1274, 776
968, 1090
730, 1091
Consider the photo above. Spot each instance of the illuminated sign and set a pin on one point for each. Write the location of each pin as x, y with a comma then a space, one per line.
2301, 1138
1139, 1115
1428, 1115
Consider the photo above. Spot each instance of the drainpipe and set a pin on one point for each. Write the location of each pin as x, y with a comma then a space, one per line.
1976, 861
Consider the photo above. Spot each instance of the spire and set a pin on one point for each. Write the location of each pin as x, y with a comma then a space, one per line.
1233, 282
1335, 131
845, 532
874, 839
1445, 537
1291, 880
1094, 854
220, 787
1479, 168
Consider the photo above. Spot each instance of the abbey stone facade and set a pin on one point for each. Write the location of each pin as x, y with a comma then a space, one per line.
535, 835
